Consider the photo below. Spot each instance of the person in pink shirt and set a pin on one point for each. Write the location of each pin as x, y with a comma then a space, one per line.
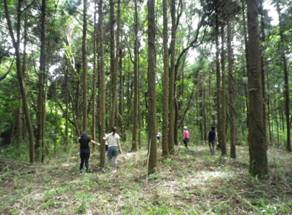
186, 136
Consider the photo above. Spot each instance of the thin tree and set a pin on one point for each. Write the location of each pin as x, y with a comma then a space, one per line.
136, 81
113, 64
151, 86
286, 77
84, 67
101, 86
22, 87
171, 135
232, 90
94, 79
165, 122
256, 130
41, 107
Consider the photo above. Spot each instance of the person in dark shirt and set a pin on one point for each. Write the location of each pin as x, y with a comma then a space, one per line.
84, 141
212, 140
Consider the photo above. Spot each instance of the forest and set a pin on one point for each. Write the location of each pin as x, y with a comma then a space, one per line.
173, 106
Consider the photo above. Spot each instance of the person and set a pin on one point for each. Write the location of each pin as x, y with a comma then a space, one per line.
158, 137
212, 140
84, 141
114, 147
186, 136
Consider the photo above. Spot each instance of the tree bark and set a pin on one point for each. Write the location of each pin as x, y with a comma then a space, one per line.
151, 86
256, 130
232, 90
101, 86
286, 78
136, 80
113, 64
171, 135
20, 77
84, 68
165, 122
40, 142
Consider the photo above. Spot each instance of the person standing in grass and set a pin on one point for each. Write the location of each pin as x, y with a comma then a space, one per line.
84, 141
212, 140
186, 136
114, 147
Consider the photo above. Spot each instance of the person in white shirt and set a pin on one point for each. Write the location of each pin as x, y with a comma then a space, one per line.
114, 147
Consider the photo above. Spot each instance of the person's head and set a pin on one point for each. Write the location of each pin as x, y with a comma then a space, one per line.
114, 129
213, 128
83, 135
185, 128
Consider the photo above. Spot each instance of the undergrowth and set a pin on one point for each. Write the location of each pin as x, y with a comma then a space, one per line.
188, 182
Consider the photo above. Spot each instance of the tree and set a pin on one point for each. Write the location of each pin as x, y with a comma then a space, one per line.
113, 65
171, 135
232, 90
101, 86
20, 78
256, 134
286, 78
41, 106
165, 122
151, 86
84, 67
136, 80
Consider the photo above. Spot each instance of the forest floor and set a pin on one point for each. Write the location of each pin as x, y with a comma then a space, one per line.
189, 182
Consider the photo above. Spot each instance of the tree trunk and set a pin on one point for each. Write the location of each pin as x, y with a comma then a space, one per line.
101, 95
256, 130
218, 81
286, 79
94, 79
232, 90
113, 64
136, 80
222, 91
84, 68
40, 144
151, 86
165, 122
171, 135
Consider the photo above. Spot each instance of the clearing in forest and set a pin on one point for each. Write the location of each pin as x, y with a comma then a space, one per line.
190, 182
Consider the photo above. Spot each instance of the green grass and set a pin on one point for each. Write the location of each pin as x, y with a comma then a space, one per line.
189, 182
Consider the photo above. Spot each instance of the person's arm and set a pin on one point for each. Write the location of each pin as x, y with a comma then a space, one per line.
94, 142
119, 145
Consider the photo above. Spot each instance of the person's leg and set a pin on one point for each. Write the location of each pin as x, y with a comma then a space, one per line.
81, 161
213, 147
86, 160
114, 161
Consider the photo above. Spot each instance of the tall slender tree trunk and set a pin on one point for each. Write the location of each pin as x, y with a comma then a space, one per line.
263, 62
84, 68
171, 135
101, 86
286, 78
136, 80
232, 90
113, 64
222, 91
165, 122
20, 75
40, 144
151, 86
218, 80
256, 130
94, 79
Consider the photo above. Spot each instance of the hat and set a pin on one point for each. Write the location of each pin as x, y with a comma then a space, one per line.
185, 127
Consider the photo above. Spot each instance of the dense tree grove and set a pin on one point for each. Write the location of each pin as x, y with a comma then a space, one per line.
150, 66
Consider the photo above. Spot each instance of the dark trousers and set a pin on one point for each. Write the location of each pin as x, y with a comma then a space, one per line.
84, 157
186, 142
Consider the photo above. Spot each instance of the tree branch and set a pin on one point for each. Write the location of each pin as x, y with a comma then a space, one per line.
4, 76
